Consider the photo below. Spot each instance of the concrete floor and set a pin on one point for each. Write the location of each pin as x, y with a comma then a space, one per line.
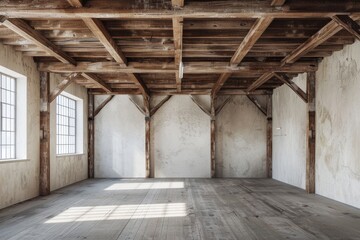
180, 209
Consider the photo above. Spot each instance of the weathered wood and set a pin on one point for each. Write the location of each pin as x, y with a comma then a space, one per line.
137, 106
76, 3
119, 91
269, 137
207, 112
178, 44
318, 38
140, 84
44, 181
349, 24
91, 136
293, 86
222, 105
212, 137
159, 105
103, 104
219, 83
177, 3
251, 38
21, 28
260, 81
95, 79
101, 33
257, 104
277, 3
149, 167
62, 86
311, 134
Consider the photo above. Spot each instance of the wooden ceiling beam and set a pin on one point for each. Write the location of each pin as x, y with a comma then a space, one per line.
95, 79
101, 33
140, 84
260, 81
21, 28
178, 45
189, 67
347, 23
277, 3
76, 3
184, 92
177, 3
318, 38
251, 38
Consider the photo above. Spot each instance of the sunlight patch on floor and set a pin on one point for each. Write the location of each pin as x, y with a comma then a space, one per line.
146, 185
119, 212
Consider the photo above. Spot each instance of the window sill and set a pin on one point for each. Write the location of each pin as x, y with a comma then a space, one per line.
13, 160
70, 155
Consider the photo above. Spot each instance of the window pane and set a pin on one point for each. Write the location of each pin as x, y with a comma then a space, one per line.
65, 125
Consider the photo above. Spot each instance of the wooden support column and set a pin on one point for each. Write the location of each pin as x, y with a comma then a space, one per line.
311, 133
269, 137
91, 135
147, 137
212, 136
44, 183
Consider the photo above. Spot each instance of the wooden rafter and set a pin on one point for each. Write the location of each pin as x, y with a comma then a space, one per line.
103, 104
178, 44
177, 3
251, 38
21, 28
159, 105
98, 81
101, 33
318, 38
347, 23
257, 104
277, 3
76, 3
283, 78
141, 85
260, 81
62, 86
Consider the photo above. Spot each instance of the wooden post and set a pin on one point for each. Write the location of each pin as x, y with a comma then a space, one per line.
147, 137
310, 159
44, 183
269, 137
91, 136
212, 137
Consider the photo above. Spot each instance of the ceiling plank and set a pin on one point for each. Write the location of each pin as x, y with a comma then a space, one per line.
293, 86
62, 86
277, 3
21, 28
95, 79
178, 45
101, 33
347, 23
260, 81
318, 38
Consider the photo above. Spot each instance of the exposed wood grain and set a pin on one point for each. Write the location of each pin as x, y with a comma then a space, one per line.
269, 134
103, 104
149, 168
44, 180
219, 83
159, 105
178, 44
177, 3
311, 133
91, 136
213, 136
260, 81
222, 105
140, 83
283, 78
62, 86
21, 28
76, 3
277, 3
257, 104
349, 24
95, 79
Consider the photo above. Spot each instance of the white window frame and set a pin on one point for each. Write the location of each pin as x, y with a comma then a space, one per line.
79, 119
20, 115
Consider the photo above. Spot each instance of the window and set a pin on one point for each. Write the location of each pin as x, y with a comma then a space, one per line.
65, 125
8, 116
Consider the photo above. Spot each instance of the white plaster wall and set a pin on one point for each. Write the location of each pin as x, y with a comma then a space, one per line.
119, 139
338, 126
65, 170
289, 134
180, 139
240, 140
19, 180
